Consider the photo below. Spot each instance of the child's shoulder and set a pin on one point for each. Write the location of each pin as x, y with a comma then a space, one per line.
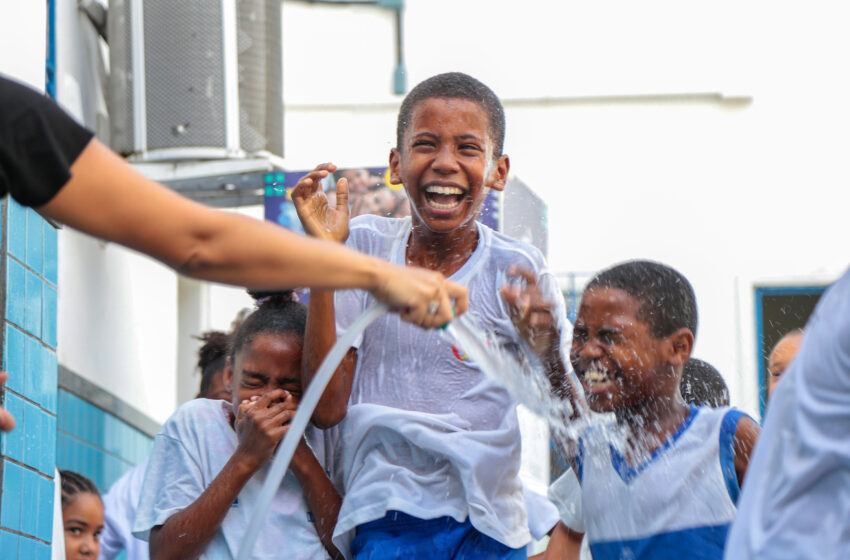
514, 250
366, 224
195, 415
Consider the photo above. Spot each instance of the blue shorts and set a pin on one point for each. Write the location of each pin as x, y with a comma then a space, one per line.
398, 535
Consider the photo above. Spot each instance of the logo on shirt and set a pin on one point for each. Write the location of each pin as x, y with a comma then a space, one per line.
458, 355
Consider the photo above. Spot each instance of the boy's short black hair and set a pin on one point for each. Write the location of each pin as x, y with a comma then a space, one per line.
702, 385
455, 85
667, 300
212, 357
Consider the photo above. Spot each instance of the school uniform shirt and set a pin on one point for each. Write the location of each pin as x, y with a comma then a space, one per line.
38, 144
796, 499
542, 514
190, 450
677, 503
119, 512
426, 432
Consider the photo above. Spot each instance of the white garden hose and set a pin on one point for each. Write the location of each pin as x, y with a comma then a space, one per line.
283, 456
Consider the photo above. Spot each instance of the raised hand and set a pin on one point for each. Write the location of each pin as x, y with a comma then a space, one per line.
317, 217
261, 423
532, 314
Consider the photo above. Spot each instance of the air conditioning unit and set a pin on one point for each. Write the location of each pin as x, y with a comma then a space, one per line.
195, 79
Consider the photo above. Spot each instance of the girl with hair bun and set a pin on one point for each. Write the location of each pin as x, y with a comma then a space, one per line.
210, 458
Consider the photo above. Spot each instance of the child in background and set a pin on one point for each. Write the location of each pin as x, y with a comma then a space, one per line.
82, 516
669, 488
702, 385
123, 496
210, 458
432, 447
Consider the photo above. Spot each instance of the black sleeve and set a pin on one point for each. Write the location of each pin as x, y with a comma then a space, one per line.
38, 144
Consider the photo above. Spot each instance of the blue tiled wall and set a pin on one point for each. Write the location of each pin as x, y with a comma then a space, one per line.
95, 443
28, 453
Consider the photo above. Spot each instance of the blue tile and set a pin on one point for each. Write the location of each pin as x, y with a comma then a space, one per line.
48, 447
33, 434
44, 527
16, 292
35, 241
35, 370
51, 252
17, 230
27, 547
29, 502
48, 316
42, 551
13, 442
14, 358
32, 316
50, 385
9, 544
10, 506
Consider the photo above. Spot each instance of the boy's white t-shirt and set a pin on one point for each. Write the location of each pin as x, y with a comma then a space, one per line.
190, 450
426, 432
795, 502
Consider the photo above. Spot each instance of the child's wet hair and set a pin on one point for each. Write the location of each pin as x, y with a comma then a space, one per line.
74, 483
212, 356
455, 85
702, 385
666, 298
277, 312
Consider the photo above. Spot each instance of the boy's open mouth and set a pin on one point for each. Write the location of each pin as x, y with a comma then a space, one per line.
598, 380
442, 197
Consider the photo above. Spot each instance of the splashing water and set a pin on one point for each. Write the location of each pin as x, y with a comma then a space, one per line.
523, 377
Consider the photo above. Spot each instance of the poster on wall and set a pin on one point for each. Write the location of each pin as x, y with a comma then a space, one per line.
369, 192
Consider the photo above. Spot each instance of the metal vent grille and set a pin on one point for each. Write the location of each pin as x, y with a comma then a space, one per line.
260, 76
184, 74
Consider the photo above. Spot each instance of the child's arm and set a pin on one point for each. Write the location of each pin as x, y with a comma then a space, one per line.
746, 434
260, 425
319, 220
564, 544
534, 317
322, 498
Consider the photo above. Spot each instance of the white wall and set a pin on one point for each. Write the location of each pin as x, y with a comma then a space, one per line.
23, 26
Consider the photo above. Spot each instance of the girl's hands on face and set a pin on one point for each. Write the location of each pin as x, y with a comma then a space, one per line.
261, 423
317, 217
532, 314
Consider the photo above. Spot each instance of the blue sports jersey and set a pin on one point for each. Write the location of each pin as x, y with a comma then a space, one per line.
678, 503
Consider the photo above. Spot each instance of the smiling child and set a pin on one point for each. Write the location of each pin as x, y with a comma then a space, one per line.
668, 489
432, 447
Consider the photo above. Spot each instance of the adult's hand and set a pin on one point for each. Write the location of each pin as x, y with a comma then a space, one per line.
7, 421
422, 297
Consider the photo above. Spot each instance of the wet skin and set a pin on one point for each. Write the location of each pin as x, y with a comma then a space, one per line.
83, 523
622, 366
447, 167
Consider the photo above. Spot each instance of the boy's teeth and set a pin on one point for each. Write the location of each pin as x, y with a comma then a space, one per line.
596, 377
436, 189
438, 205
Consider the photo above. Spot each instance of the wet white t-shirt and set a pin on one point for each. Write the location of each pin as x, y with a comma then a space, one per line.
190, 450
796, 496
426, 432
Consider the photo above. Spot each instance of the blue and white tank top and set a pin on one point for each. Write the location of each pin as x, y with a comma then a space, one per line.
678, 503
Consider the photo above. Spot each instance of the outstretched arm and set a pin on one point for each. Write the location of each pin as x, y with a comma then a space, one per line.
108, 199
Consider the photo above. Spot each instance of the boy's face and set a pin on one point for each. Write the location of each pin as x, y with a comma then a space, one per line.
269, 361
620, 364
446, 163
